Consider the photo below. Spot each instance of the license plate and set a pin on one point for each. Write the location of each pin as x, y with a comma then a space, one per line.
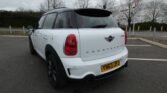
109, 66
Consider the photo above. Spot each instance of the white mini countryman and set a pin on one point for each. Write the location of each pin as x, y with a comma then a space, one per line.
79, 44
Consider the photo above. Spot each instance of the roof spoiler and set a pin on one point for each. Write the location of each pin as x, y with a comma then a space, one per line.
93, 12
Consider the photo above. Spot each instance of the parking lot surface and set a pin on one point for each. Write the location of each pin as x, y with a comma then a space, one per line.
20, 72
157, 34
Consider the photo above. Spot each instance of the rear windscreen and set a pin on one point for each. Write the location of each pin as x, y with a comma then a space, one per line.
94, 18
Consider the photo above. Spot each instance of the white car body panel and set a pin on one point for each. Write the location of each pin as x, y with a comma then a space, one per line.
83, 64
80, 69
55, 38
95, 46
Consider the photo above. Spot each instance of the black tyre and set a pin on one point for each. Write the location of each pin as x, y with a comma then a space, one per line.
126, 65
55, 73
31, 47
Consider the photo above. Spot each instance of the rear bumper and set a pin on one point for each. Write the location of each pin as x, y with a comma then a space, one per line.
104, 76
110, 73
76, 68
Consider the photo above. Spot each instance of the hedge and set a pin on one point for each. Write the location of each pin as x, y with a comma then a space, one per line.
146, 26
19, 19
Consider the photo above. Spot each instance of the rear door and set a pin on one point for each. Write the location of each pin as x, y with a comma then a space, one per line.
46, 32
35, 34
99, 34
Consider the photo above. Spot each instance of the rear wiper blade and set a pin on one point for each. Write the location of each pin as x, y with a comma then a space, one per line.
100, 26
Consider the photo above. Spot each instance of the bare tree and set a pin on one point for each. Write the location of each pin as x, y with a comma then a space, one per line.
165, 12
43, 8
154, 10
57, 4
130, 9
82, 3
51, 4
21, 9
107, 4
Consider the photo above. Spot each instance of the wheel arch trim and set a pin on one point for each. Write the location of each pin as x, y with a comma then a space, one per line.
50, 49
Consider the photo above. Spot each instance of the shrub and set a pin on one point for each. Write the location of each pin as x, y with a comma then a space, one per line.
146, 26
19, 19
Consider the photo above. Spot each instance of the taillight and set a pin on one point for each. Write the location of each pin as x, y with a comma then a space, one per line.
70, 48
126, 37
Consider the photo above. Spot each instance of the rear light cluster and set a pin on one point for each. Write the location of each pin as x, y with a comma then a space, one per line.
70, 48
126, 37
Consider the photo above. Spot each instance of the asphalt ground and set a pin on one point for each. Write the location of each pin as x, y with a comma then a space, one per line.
157, 34
20, 72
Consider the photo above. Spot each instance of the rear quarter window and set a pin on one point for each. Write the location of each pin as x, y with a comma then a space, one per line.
65, 20
49, 21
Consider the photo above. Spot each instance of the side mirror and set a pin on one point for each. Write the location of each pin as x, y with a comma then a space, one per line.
30, 29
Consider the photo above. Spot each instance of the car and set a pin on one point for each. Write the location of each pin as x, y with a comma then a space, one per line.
79, 44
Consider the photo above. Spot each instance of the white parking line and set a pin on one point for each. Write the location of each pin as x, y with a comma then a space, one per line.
138, 45
132, 38
145, 59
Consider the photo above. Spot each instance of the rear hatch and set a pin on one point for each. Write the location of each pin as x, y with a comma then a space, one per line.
99, 34
94, 44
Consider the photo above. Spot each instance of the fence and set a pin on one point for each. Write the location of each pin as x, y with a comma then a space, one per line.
151, 34
13, 31
132, 30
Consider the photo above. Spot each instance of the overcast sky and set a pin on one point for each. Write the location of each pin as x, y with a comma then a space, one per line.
34, 4
28, 4
15, 4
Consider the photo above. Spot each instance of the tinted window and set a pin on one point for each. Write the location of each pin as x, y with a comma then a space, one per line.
88, 18
41, 22
49, 21
64, 20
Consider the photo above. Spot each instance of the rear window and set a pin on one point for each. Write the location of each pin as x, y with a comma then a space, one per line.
94, 18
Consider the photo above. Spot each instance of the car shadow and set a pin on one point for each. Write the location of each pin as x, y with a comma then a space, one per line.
83, 86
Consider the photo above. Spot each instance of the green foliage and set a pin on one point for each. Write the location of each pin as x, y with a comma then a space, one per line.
147, 25
19, 19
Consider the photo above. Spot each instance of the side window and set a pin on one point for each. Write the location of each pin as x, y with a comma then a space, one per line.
49, 21
41, 22
64, 20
